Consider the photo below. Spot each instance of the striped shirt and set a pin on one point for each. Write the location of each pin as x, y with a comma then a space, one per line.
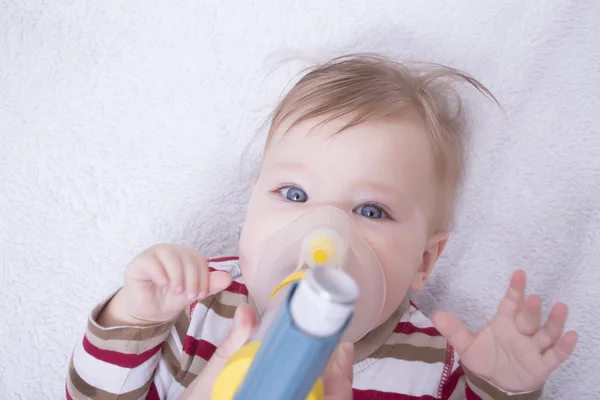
404, 359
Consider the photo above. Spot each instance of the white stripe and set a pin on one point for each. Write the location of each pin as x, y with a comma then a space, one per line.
176, 390
112, 378
418, 319
163, 380
208, 325
400, 376
178, 343
232, 266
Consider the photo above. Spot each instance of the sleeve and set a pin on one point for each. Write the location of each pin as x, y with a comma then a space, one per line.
116, 362
465, 385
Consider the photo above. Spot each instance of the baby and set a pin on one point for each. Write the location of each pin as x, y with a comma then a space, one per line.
381, 141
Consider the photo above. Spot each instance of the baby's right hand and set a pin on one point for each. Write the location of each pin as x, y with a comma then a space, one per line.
159, 283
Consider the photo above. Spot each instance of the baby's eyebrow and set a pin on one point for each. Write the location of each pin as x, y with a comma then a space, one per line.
288, 165
389, 193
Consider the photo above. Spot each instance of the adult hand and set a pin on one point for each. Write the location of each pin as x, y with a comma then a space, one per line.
337, 378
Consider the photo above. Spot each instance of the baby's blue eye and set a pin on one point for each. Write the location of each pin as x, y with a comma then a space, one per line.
370, 211
294, 194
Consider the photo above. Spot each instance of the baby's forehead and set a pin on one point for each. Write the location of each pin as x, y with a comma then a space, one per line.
394, 146
319, 129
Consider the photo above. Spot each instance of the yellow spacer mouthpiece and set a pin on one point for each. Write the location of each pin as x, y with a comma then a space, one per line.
322, 249
232, 376
296, 276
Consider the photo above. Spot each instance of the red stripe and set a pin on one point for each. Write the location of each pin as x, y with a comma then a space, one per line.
189, 345
152, 393
198, 347
450, 386
448, 363
408, 328
205, 349
68, 394
221, 259
413, 304
470, 395
237, 287
119, 359
377, 395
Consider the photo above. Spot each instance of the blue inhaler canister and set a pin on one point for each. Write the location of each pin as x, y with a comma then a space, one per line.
288, 354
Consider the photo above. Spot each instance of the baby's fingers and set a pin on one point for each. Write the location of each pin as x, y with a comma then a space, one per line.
528, 318
173, 266
218, 281
202, 265
152, 272
553, 328
556, 355
515, 295
193, 275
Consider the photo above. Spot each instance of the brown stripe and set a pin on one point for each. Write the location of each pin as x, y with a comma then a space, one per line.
124, 346
90, 392
224, 303
182, 325
171, 355
409, 352
129, 332
187, 379
487, 391
231, 299
198, 364
418, 339
75, 394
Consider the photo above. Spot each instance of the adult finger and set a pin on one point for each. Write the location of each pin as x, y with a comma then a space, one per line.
339, 374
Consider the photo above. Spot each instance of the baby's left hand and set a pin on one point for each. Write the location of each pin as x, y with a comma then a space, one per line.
512, 351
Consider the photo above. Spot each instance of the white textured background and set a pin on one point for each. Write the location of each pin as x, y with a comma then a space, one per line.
122, 124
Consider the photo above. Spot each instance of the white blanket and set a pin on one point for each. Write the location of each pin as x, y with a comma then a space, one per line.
122, 124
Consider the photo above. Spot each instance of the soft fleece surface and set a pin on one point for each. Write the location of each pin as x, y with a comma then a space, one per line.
127, 123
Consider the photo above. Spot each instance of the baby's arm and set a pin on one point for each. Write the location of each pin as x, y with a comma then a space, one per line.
513, 351
465, 385
117, 362
121, 350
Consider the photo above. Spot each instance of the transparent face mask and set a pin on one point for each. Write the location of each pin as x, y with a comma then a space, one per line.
325, 236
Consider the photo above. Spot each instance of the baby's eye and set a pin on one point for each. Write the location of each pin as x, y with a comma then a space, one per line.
371, 211
294, 194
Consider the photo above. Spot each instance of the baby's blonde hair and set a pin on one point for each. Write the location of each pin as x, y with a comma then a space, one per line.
368, 86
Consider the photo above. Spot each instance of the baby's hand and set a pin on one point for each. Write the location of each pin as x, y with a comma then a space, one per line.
159, 283
512, 351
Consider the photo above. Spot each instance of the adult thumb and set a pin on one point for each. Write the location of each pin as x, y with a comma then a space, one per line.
244, 321
339, 373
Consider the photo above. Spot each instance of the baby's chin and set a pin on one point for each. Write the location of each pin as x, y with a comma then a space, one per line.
390, 306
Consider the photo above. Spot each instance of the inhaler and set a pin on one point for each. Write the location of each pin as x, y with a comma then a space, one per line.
320, 283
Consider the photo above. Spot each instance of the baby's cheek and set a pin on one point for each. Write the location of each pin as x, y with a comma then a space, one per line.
398, 279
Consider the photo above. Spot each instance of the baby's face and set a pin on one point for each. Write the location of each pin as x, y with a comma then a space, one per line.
381, 173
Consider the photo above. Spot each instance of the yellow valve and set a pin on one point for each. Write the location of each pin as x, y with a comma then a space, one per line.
322, 249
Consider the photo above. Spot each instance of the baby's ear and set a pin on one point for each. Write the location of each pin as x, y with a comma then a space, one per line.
435, 246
